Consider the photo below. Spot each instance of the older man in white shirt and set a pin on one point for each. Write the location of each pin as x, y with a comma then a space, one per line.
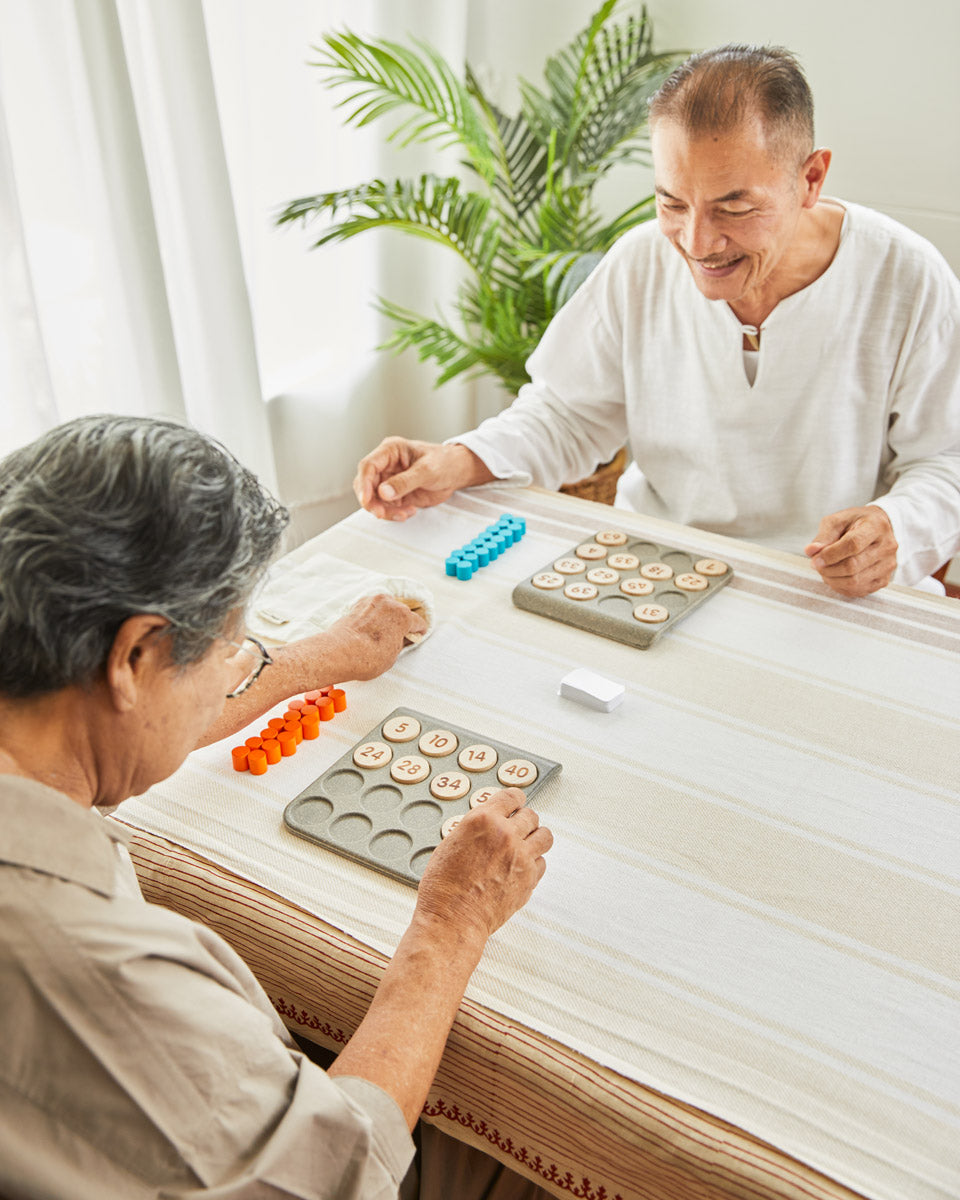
783, 366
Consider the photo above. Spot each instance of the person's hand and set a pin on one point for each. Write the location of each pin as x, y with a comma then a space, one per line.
855, 550
487, 868
367, 640
401, 476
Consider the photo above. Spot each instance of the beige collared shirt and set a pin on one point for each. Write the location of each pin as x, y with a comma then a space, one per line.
138, 1054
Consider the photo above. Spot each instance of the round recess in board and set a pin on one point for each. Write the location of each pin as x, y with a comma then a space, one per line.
547, 581
401, 729
343, 783
710, 566
570, 566
580, 591
518, 772
419, 861
602, 576
351, 828
371, 755
645, 550
591, 551
315, 810
623, 561
438, 743
610, 537
380, 799
478, 757
390, 844
411, 768
679, 560
675, 601
689, 581
421, 814
656, 570
651, 614
449, 785
637, 587
616, 606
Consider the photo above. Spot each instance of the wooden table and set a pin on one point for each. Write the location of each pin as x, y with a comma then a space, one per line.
740, 975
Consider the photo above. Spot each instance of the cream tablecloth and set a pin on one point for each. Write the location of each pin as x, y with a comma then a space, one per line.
753, 902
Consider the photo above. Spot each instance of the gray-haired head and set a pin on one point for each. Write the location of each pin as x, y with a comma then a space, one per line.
106, 517
717, 90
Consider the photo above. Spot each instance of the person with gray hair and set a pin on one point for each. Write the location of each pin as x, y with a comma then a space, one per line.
139, 1057
783, 366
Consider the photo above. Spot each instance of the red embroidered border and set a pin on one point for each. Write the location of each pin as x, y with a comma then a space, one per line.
582, 1191
302, 1017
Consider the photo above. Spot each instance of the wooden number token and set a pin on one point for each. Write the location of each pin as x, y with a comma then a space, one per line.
372, 755
691, 583
401, 729
651, 614
610, 537
450, 825
410, 769
580, 591
569, 566
623, 562
591, 551
710, 566
438, 743
518, 772
482, 795
478, 757
547, 580
450, 786
656, 571
636, 587
602, 575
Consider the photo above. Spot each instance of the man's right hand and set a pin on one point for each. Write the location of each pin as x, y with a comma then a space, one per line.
487, 868
401, 476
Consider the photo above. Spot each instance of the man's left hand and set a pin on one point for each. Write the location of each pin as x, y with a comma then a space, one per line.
855, 550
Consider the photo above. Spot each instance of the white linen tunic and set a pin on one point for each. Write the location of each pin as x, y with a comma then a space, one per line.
856, 397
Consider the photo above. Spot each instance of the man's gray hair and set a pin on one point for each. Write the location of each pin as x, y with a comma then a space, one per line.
713, 92
106, 517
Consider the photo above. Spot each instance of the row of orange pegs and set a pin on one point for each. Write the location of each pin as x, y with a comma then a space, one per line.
282, 735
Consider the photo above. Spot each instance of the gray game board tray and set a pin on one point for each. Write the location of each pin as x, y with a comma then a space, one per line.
365, 814
610, 612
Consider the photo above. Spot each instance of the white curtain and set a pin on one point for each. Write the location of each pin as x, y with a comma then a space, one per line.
116, 187
145, 146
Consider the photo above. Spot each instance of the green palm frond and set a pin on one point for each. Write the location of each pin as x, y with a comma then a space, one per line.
529, 230
434, 208
597, 92
429, 338
386, 77
521, 155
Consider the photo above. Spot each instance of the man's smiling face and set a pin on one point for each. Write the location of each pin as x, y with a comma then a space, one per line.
730, 204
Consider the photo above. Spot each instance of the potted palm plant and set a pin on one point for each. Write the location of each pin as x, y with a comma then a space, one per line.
524, 219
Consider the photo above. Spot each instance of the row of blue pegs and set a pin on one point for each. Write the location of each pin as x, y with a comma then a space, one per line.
488, 546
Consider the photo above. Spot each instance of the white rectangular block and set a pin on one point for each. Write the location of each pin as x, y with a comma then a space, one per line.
591, 689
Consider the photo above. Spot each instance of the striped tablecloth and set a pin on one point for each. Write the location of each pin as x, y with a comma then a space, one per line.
740, 975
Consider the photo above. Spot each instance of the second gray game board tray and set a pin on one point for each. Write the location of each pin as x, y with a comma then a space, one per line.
622, 587
385, 802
